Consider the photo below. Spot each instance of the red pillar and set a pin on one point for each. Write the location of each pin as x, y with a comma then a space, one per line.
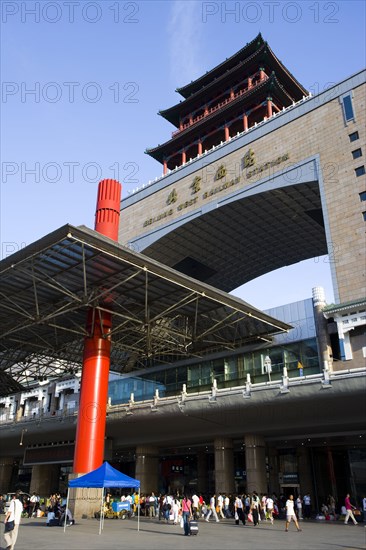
184, 157
165, 167
90, 433
269, 107
262, 74
249, 83
245, 122
199, 152
227, 134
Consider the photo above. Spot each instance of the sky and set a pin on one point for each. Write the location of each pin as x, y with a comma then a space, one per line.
82, 83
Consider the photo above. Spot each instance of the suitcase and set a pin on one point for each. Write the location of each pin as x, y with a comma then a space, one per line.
193, 526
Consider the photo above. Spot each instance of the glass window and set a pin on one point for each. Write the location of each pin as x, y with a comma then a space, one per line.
348, 108
360, 171
354, 136
364, 216
357, 153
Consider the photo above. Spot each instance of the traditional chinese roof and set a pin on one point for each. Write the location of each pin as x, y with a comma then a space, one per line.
222, 68
229, 112
233, 70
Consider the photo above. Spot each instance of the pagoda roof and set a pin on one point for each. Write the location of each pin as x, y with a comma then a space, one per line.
262, 54
217, 71
269, 86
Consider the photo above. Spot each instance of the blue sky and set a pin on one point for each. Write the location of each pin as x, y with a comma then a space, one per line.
82, 83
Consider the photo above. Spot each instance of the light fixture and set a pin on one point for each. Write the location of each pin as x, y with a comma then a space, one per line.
22, 435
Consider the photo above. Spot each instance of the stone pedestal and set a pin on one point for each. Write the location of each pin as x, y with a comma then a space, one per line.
84, 502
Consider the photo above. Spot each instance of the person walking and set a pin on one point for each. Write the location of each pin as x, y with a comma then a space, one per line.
187, 514
13, 514
290, 513
212, 509
254, 508
349, 510
239, 510
307, 506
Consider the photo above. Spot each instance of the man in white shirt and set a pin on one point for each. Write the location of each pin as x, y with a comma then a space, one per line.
212, 509
290, 513
14, 513
269, 506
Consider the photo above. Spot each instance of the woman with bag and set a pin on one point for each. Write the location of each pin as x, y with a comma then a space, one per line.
187, 514
12, 521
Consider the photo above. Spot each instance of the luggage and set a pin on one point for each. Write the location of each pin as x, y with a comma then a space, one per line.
193, 526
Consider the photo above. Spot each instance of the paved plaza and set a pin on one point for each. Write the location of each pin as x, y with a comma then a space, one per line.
155, 535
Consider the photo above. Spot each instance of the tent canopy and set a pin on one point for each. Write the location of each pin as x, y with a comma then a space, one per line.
105, 476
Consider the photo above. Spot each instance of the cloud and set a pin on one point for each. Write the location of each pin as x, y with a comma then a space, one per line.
185, 40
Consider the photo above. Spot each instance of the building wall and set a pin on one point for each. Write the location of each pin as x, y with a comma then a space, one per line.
315, 128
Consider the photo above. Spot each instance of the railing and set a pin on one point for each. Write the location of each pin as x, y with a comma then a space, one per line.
214, 147
282, 385
222, 104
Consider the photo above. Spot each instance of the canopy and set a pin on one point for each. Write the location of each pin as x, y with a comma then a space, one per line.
105, 476
102, 477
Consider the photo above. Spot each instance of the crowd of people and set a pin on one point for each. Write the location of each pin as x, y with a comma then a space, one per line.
181, 509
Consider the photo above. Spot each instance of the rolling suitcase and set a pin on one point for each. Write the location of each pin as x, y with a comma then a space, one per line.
193, 525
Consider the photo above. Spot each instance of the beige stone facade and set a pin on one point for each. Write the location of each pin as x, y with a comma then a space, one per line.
315, 128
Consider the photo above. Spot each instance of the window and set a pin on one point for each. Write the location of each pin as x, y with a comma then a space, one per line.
347, 107
363, 196
354, 136
364, 216
357, 153
360, 171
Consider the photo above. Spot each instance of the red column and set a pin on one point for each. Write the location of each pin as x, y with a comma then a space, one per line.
184, 157
227, 134
245, 122
262, 74
269, 107
232, 94
90, 433
199, 152
165, 167
249, 82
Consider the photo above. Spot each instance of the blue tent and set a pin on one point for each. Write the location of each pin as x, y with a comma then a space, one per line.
105, 476
102, 477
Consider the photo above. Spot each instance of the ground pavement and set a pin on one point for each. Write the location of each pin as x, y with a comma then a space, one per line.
157, 535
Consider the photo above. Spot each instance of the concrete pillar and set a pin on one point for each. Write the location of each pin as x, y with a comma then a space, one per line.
84, 501
245, 122
304, 470
255, 462
321, 325
6, 470
202, 472
224, 466
147, 468
274, 486
269, 107
45, 479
